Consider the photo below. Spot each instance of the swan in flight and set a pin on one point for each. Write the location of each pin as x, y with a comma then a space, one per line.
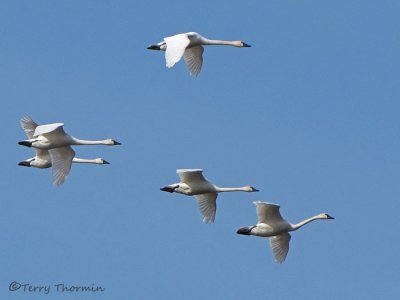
193, 183
51, 136
59, 158
190, 46
272, 225
42, 160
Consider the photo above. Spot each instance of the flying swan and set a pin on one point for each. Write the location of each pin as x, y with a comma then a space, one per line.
190, 46
193, 183
272, 225
59, 158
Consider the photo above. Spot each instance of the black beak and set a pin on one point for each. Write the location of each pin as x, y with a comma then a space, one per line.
329, 217
255, 190
245, 230
117, 143
246, 45
24, 163
25, 143
105, 162
168, 189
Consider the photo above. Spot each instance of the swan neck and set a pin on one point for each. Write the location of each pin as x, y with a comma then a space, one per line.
302, 223
86, 142
228, 189
84, 161
217, 42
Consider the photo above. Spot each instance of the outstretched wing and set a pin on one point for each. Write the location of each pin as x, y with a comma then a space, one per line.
61, 159
268, 213
194, 59
280, 246
191, 175
55, 128
208, 206
176, 46
28, 126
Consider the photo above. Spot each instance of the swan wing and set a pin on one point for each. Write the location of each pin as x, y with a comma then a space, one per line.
208, 206
194, 59
280, 246
43, 154
191, 175
61, 159
176, 46
28, 126
56, 128
268, 213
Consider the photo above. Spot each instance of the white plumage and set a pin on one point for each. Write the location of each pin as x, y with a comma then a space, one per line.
272, 225
193, 183
189, 46
60, 158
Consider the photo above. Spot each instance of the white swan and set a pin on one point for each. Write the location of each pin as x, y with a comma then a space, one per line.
59, 158
44, 161
193, 183
51, 136
190, 46
271, 224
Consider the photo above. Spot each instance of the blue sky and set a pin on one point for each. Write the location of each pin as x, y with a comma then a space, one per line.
309, 115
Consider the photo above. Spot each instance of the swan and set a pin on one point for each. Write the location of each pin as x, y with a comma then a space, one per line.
190, 46
43, 161
193, 183
272, 225
49, 136
59, 158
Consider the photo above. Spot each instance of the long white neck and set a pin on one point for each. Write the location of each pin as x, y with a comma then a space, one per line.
86, 142
234, 189
218, 42
302, 223
84, 161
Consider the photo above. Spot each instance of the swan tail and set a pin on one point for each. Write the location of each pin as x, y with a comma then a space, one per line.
169, 189
162, 46
245, 230
25, 143
154, 47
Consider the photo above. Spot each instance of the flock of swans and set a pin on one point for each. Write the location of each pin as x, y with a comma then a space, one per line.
53, 149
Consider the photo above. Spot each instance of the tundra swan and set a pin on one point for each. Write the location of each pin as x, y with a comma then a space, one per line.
272, 225
60, 158
44, 161
51, 136
190, 46
193, 183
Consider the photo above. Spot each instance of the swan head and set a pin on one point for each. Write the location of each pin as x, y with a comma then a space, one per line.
241, 44
25, 163
101, 161
326, 216
249, 188
111, 142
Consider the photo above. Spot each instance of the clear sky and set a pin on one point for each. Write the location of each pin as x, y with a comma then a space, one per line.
309, 115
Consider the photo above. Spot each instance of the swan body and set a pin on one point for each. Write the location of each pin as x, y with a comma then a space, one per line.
193, 183
59, 158
45, 163
189, 46
49, 136
272, 225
